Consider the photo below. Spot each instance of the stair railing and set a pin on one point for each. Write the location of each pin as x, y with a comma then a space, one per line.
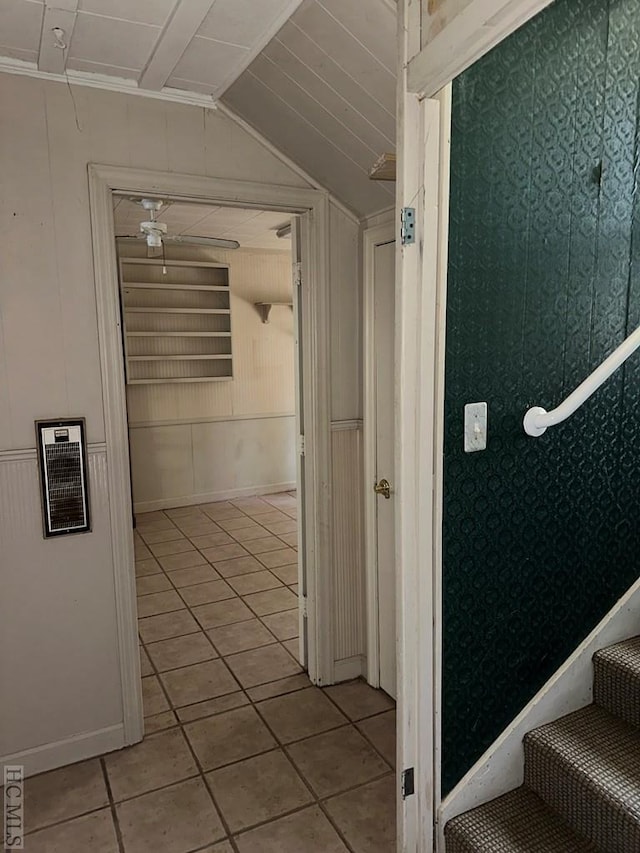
537, 419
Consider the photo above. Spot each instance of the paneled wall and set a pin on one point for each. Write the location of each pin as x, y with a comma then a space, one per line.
57, 617
541, 536
212, 440
348, 559
58, 655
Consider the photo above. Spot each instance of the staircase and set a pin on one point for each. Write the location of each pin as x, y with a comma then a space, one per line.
581, 791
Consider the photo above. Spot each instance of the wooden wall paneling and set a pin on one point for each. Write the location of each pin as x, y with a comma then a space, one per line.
348, 539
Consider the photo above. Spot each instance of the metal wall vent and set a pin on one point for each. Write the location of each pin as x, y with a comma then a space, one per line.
63, 476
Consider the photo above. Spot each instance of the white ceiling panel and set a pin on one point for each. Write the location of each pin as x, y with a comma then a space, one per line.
207, 62
326, 67
254, 229
348, 113
112, 42
140, 11
241, 22
323, 92
340, 135
17, 53
362, 20
301, 141
357, 60
20, 23
103, 68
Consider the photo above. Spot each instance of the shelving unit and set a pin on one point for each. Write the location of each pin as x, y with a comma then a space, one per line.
177, 324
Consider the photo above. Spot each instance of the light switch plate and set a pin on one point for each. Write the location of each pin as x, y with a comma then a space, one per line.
475, 427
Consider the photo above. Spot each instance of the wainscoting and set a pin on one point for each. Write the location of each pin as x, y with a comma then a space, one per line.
348, 549
60, 589
181, 464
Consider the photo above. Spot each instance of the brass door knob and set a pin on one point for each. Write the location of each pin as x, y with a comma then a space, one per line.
383, 488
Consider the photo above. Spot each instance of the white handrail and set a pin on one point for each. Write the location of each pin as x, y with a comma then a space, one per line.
537, 419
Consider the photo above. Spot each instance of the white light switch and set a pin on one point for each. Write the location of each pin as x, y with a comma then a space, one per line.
475, 427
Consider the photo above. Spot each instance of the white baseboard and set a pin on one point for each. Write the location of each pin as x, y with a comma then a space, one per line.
49, 756
211, 497
501, 768
348, 668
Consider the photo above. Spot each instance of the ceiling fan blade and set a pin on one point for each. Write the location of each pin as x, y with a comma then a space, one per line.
187, 239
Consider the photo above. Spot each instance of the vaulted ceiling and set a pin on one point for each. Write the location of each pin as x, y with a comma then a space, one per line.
324, 90
315, 77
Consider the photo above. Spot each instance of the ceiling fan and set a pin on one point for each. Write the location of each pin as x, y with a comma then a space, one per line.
155, 234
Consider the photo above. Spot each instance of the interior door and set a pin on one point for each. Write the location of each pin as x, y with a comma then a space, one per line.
384, 322
296, 271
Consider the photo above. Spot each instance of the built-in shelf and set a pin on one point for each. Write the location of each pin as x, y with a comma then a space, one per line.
178, 334
264, 308
147, 310
196, 357
152, 285
177, 321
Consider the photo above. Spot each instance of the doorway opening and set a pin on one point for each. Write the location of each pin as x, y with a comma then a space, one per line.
380, 503
345, 720
210, 335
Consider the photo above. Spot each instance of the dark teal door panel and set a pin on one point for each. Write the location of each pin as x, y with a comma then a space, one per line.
541, 536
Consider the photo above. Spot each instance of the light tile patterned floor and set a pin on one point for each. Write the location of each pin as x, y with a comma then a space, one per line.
241, 753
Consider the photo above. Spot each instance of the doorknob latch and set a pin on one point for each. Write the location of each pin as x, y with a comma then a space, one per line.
383, 488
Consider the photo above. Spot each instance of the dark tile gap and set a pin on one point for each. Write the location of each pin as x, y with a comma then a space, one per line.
112, 805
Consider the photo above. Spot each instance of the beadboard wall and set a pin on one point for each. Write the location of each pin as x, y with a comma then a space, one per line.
348, 551
57, 623
206, 441
58, 649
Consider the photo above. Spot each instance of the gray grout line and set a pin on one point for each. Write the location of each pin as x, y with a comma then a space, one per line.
112, 805
316, 799
280, 746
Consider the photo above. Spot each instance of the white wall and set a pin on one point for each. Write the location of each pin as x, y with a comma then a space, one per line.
58, 649
199, 442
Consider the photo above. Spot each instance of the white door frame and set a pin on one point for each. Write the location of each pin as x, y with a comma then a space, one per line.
103, 181
421, 275
371, 237
420, 337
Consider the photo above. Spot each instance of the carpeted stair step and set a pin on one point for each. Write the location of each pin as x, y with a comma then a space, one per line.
518, 822
586, 767
616, 680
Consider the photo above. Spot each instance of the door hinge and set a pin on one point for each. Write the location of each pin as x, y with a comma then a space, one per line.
408, 225
297, 273
305, 612
301, 447
408, 787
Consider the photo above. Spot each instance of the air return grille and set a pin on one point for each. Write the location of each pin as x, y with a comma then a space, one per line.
63, 476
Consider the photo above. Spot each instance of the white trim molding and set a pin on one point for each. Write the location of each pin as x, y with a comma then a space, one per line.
349, 668
103, 181
462, 36
421, 274
211, 497
501, 768
123, 85
39, 759
371, 237
215, 419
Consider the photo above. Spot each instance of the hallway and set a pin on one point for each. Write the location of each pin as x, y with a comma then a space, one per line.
241, 753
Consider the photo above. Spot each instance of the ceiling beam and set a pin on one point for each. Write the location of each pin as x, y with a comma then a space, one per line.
182, 26
54, 47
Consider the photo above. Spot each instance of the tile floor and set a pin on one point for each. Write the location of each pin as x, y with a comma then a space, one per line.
241, 753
